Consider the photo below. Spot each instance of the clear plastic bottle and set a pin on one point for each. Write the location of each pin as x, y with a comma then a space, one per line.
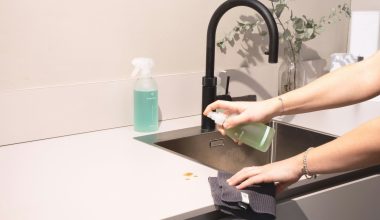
145, 96
256, 135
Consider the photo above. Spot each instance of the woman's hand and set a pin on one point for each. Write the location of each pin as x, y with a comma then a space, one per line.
283, 173
261, 111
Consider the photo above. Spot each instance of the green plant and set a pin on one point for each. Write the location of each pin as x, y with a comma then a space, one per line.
295, 29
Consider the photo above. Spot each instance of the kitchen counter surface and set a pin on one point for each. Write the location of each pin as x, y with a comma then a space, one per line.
100, 175
109, 175
336, 121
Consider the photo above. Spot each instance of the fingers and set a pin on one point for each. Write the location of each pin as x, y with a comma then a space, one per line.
229, 108
250, 181
250, 176
236, 120
244, 178
220, 104
221, 130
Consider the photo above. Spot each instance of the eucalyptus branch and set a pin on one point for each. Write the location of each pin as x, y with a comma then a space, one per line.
285, 33
295, 30
285, 30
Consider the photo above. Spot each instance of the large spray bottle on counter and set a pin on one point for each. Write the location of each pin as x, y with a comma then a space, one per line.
145, 96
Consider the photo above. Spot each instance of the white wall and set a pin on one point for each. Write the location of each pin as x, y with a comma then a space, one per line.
53, 42
50, 42
57, 58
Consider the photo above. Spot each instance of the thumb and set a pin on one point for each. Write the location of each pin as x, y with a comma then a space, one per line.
235, 120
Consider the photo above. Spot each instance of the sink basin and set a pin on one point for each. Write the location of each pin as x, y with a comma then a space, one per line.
216, 151
221, 153
210, 148
291, 140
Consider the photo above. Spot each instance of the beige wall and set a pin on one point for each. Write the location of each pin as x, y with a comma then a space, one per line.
365, 5
47, 42
65, 65
52, 42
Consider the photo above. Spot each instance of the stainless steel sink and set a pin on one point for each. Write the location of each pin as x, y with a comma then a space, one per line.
220, 152
291, 140
216, 151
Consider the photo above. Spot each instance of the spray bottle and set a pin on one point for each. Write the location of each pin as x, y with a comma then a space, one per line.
145, 96
256, 135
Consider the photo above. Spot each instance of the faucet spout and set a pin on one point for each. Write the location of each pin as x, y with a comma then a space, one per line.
209, 80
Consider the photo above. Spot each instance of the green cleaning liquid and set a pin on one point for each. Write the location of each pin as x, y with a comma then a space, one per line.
145, 110
256, 135
145, 96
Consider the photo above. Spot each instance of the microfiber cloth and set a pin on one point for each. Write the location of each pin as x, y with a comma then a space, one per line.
254, 202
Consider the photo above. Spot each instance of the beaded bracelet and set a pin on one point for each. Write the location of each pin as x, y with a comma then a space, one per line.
305, 170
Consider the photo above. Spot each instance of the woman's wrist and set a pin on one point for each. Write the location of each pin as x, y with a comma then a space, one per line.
298, 164
278, 107
282, 110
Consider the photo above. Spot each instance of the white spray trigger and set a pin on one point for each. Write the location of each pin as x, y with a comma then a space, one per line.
135, 72
142, 66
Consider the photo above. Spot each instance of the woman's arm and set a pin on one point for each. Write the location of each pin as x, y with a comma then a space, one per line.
345, 86
356, 149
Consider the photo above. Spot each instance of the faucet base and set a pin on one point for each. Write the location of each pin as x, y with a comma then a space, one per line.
208, 96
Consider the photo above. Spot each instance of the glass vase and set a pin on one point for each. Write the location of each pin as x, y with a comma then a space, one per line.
291, 74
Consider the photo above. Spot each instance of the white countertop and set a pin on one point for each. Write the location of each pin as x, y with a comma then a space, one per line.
100, 175
336, 121
109, 175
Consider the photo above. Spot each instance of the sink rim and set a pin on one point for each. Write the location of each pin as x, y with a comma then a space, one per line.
227, 165
300, 188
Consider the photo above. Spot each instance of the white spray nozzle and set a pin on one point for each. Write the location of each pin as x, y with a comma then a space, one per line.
142, 66
218, 117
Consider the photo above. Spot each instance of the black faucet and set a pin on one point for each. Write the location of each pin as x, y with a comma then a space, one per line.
209, 81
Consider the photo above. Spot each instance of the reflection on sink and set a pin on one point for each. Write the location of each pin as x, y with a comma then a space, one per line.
210, 148
216, 151
291, 140
221, 153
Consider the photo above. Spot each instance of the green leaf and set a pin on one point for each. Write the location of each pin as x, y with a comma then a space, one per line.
237, 29
297, 45
298, 24
322, 20
221, 44
279, 9
263, 33
308, 33
287, 35
241, 24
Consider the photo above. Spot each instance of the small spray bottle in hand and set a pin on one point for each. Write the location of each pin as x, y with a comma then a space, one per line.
255, 135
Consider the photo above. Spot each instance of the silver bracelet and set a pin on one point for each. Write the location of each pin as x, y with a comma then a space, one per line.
282, 105
305, 170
